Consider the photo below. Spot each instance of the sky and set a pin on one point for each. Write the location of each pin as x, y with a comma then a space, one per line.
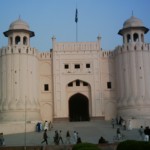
48, 18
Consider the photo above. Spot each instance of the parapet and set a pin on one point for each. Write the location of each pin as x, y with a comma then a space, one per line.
107, 54
76, 46
132, 47
18, 50
45, 55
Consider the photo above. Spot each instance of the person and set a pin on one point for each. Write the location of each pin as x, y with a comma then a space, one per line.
124, 124
2, 142
68, 137
102, 140
46, 125
45, 137
146, 132
117, 120
75, 137
129, 125
50, 125
141, 132
38, 127
113, 123
60, 137
118, 133
56, 138
79, 140
120, 120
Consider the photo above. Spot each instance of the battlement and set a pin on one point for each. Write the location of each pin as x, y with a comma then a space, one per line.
45, 55
75, 46
132, 47
107, 54
18, 50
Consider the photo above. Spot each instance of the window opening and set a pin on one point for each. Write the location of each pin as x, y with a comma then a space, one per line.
77, 83
46, 87
77, 66
109, 85
70, 84
135, 37
66, 66
88, 66
85, 84
128, 38
24, 40
17, 40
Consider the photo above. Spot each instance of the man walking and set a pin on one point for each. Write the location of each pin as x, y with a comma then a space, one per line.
45, 137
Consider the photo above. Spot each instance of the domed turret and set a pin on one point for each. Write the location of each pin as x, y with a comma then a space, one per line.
131, 25
19, 33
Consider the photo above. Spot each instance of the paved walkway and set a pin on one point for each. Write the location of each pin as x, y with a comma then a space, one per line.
88, 131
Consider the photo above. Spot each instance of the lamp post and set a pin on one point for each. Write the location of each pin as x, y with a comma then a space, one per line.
25, 125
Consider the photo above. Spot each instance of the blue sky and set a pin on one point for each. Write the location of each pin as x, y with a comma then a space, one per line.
57, 17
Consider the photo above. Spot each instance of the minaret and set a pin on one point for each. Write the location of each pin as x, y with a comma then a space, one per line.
133, 74
19, 78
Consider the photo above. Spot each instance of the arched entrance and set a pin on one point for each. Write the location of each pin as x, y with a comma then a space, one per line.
78, 108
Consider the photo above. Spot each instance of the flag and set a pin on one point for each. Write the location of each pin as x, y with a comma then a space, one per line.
76, 16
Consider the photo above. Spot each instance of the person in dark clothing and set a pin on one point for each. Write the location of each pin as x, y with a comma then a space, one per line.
102, 140
60, 137
56, 138
2, 142
79, 140
118, 133
45, 137
147, 133
68, 137
38, 127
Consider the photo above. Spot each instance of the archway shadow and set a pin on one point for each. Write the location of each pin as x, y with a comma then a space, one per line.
79, 108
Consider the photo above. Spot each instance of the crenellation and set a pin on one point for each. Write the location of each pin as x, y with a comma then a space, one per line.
44, 55
107, 54
74, 46
18, 50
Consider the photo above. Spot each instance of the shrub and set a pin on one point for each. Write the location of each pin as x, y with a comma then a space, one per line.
133, 145
85, 146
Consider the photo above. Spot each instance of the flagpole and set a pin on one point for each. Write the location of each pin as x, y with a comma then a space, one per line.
76, 31
76, 20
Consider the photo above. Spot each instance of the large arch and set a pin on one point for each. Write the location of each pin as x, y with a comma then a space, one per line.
78, 108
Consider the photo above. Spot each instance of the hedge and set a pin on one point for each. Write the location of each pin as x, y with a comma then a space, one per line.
133, 145
85, 146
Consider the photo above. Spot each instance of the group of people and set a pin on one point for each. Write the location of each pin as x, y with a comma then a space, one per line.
124, 124
145, 133
59, 138
44, 126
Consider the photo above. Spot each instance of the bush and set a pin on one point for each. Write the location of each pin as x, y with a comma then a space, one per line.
133, 145
85, 146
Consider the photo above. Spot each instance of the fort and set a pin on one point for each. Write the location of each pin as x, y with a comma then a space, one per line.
74, 81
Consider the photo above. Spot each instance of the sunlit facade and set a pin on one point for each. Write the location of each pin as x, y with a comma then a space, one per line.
74, 81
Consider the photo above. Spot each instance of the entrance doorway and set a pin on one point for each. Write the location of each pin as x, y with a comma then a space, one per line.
78, 108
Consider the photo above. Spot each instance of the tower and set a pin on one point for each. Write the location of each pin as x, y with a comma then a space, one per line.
19, 75
132, 61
